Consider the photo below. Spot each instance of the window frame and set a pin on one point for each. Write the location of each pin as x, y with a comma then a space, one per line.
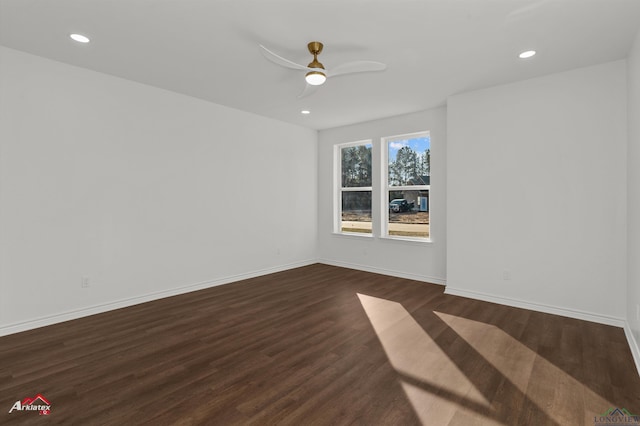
379, 189
339, 189
386, 188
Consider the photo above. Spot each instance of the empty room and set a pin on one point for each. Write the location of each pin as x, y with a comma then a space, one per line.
298, 212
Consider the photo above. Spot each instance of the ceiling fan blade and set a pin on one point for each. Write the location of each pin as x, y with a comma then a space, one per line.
308, 91
529, 10
356, 66
279, 60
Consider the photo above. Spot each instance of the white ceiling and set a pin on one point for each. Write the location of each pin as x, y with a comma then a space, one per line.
433, 48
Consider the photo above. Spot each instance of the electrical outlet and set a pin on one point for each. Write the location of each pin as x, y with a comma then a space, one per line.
85, 282
638, 311
506, 275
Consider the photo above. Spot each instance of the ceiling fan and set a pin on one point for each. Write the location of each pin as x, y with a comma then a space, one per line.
316, 73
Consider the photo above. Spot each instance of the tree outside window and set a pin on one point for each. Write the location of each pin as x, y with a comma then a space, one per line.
355, 188
408, 181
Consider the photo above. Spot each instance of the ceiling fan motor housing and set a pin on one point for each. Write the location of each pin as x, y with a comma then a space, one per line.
315, 47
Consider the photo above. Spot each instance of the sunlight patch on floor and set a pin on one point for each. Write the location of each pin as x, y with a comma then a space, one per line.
433, 383
519, 364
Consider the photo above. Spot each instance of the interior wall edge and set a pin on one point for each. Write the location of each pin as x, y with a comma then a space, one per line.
383, 271
633, 345
538, 307
131, 301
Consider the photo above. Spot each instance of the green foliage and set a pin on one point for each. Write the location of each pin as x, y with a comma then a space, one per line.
356, 166
426, 163
409, 167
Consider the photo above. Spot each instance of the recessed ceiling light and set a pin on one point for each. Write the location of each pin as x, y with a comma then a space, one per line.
527, 54
79, 38
305, 112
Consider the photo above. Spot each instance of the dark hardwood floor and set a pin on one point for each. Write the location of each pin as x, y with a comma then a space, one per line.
319, 345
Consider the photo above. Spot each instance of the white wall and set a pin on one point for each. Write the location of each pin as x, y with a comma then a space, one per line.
144, 191
421, 261
537, 188
633, 201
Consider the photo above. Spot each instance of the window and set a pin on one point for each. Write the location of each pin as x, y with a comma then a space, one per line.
407, 180
354, 194
400, 190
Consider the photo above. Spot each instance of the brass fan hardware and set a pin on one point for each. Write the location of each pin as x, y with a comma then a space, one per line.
315, 78
315, 48
315, 73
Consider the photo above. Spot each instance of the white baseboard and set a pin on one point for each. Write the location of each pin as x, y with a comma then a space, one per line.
633, 345
398, 274
123, 303
549, 309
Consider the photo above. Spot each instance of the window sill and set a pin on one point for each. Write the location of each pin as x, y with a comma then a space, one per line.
402, 240
353, 234
408, 240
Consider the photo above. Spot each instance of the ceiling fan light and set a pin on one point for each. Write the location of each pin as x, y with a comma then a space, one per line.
79, 38
315, 78
527, 54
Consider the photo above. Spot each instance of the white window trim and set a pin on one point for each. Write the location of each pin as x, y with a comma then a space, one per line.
338, 189
384, 199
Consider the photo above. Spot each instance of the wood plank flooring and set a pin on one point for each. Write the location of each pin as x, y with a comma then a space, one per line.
319, 345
